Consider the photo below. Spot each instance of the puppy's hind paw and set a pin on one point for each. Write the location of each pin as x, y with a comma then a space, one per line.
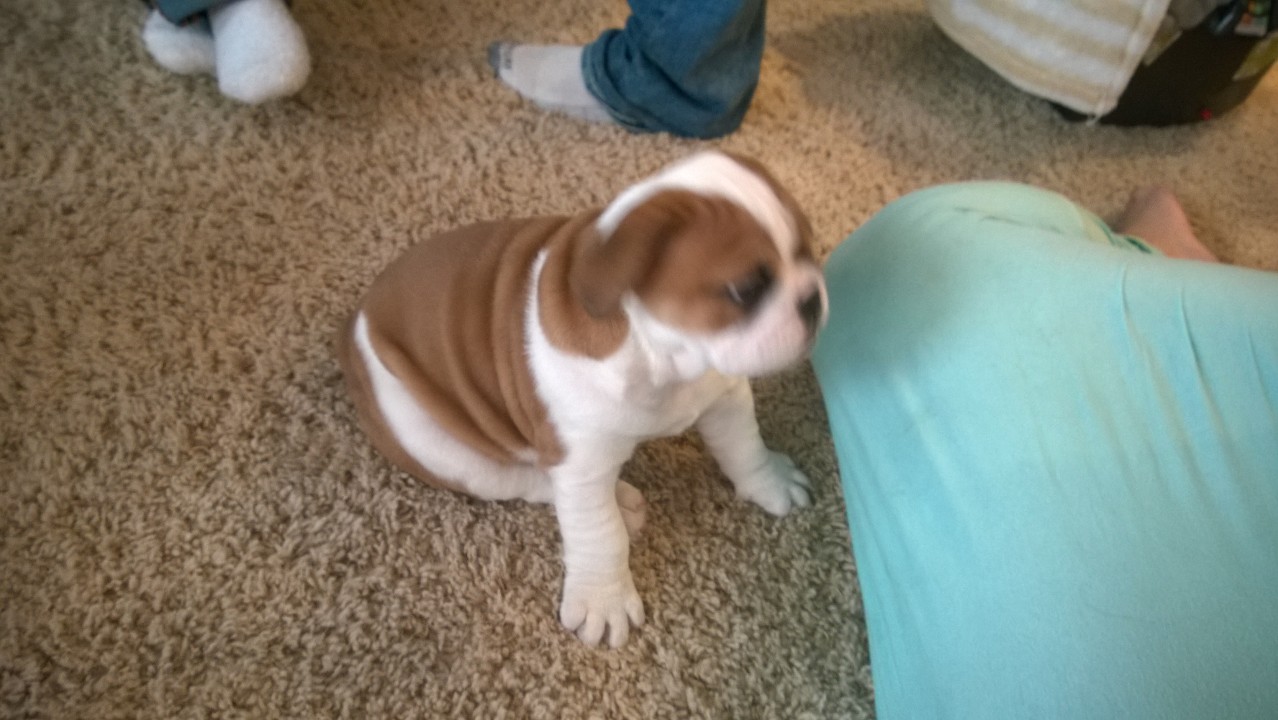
634, 509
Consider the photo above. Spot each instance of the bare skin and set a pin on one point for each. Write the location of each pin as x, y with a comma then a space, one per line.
1154, 215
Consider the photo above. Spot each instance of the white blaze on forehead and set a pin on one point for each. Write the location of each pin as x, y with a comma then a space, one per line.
712, 173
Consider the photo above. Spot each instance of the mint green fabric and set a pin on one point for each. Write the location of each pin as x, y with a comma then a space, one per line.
1059, 452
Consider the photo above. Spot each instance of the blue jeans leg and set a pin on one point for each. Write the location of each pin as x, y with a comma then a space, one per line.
687, 67
182, 11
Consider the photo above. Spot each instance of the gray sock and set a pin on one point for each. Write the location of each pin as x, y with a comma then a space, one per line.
549, 75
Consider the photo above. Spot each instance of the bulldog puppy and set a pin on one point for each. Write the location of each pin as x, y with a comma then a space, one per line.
527, 358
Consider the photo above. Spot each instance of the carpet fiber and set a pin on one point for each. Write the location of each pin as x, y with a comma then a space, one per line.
191, 523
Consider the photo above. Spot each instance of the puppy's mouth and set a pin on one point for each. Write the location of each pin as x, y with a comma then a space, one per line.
809, 344
812, 311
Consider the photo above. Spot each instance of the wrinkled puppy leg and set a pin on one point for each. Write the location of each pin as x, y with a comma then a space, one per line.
599, 597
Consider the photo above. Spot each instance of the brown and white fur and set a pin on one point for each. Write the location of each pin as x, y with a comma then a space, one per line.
528, 358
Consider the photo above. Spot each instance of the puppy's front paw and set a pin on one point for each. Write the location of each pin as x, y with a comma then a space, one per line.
777, 487
591, 608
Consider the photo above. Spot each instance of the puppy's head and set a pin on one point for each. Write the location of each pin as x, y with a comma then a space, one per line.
709, 259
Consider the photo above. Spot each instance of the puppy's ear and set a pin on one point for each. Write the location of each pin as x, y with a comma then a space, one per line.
604, 270
806, 234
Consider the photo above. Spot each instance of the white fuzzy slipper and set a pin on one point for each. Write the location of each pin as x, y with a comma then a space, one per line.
260, 50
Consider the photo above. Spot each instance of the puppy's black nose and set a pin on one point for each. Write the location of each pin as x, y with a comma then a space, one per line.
810, 310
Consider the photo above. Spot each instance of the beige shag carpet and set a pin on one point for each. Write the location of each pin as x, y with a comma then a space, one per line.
191, 523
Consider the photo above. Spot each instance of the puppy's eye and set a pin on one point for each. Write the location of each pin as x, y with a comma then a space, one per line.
749, 290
